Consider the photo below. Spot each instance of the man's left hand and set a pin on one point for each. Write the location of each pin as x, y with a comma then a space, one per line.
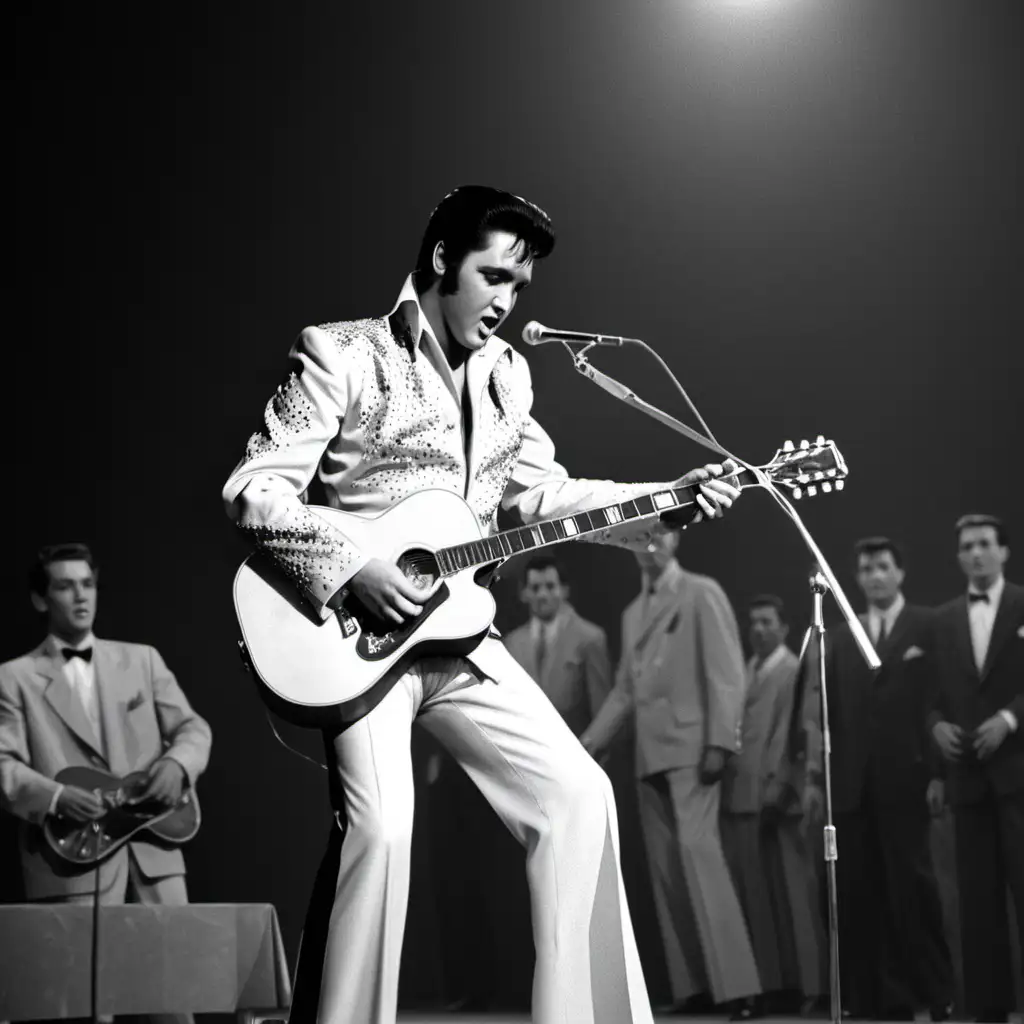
712, 765
164, 784
714, 495
988, 737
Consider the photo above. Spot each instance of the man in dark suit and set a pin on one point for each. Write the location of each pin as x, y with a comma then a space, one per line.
566, 654
977, 643
894, 953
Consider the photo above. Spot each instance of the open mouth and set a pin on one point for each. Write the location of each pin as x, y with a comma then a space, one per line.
490, 323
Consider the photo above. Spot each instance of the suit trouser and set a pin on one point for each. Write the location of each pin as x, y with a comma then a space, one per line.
707, 947
745, 855
793, 888
893, 951
549, 792
122, 881
989, 859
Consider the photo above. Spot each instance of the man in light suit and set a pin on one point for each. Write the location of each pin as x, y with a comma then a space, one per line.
681, 675
977, 647
896, 959
566, 654
762, 824
80, 701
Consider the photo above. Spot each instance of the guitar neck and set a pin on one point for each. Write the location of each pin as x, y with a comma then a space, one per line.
500, 546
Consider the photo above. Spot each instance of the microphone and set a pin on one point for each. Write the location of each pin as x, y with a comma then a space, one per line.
537, 334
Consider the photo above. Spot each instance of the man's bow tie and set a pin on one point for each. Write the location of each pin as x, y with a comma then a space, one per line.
971, 598
69, 652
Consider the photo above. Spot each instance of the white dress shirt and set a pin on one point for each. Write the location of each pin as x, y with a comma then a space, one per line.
981, 615
81, 677
756, 672
876, 616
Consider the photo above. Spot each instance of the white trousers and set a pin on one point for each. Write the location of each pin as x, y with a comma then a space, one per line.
497, 723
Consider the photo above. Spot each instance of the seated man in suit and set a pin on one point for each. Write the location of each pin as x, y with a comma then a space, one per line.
80, 701
977, 644
895, 957
566, 654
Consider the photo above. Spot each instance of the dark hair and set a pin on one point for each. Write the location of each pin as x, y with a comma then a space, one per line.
979, 519
462, 221
538, 563
39, 575
769, 601
875, 546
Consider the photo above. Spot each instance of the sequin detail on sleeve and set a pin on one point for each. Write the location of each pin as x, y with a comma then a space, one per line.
287, 414
310, 552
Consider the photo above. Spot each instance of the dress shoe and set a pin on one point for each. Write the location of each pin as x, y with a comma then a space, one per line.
751, 1008
941, 1013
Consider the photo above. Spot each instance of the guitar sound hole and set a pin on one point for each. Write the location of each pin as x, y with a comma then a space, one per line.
420, 568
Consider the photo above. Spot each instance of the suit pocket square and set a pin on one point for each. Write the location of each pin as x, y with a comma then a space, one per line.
1020, 632
912, 652
136, 702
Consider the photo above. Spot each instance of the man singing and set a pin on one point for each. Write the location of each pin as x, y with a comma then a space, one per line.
428, 396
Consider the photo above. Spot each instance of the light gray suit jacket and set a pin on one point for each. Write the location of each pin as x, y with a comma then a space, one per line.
681, 673
761, 766
577, 672
44, 728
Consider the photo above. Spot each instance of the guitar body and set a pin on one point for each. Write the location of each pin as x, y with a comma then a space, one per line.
332, 672
87, 845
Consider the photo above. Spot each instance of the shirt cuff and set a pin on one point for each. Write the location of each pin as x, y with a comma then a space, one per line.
52, 809
1010, 718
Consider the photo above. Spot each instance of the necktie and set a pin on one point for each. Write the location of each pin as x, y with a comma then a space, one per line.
70, 652
882, 632
972, 597
542, 647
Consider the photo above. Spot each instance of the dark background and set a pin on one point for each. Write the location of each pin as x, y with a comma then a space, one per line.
811, 209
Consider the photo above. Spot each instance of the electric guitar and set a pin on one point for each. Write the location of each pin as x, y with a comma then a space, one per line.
332, 672
85, 844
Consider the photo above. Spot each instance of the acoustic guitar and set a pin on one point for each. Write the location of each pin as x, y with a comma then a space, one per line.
331, 672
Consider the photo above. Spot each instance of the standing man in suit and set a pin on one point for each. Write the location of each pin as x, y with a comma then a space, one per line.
566, 654
977, 644
894, 952
80, 701
681, 675
761, 824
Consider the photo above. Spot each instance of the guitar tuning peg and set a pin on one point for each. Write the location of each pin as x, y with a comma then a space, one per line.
788, 446
805, 444
820, 440
826, 488
840, 484
812, 491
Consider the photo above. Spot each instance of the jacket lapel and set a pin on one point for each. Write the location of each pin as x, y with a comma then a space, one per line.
115, 689
662, 604
1002, 628
887, 650
563, 641
962, 637
63, 699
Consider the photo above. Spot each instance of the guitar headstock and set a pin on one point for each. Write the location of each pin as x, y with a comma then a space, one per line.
806, 468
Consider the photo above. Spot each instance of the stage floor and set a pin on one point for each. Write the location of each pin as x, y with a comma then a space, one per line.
519, 1018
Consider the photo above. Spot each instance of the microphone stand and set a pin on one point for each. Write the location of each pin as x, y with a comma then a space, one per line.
824, 580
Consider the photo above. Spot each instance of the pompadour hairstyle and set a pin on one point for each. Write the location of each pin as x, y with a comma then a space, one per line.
769, 601
875, 546
39, 575
979, 519
462, 221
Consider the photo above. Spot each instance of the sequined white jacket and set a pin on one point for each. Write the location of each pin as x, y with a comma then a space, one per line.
371, 406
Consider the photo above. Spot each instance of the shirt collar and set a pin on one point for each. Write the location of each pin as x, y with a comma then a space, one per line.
995, 592
890, 614
56, 645
551, 628
667, 579
408, 321
769, 663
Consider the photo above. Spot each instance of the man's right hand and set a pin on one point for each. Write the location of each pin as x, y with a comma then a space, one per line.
949, 738
79, 805
387, 592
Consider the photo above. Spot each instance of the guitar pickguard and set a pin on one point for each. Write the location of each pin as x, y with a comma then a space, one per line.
373, 646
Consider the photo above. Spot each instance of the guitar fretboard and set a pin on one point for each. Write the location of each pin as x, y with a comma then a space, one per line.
554, 531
